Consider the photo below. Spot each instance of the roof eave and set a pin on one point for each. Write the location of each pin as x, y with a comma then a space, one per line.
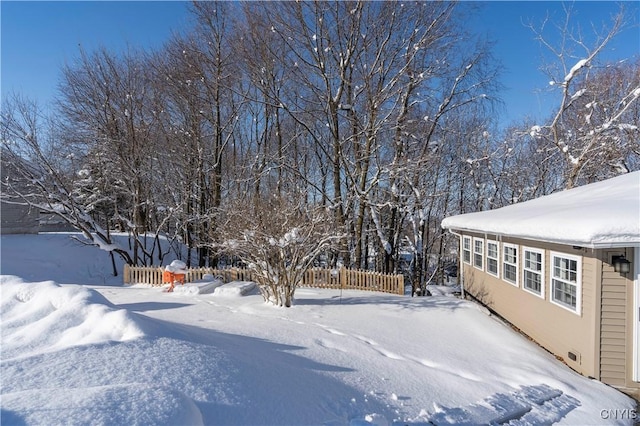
574, 243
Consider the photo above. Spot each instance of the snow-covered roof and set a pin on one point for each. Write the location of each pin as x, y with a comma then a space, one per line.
599, 215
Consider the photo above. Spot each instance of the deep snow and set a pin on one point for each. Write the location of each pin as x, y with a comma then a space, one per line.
87, 350
602, 214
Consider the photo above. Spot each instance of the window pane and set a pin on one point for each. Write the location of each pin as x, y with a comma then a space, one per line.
565, 269
492, 266
510, 254
466, 249
557, 293
565, 293
478, 251
533, 260
532, 281
510, 273
466, 242
564, 281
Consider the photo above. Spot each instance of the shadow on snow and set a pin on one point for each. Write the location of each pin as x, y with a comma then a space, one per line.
232, 379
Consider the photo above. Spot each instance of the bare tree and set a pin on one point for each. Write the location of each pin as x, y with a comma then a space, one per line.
104, 101
360, 76
597, 116
213, 58
376, 111
44, 173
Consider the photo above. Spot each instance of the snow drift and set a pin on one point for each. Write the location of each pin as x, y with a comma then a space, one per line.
235, 289
73, 355
206, 285
44, 316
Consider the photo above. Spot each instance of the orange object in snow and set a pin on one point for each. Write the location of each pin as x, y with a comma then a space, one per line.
171, 277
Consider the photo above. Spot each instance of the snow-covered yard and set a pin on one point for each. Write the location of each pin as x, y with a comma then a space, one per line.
87, 350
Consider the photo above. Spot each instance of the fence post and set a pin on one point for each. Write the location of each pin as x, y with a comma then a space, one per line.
125, 273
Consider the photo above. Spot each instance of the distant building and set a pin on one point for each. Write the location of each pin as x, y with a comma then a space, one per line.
15, 218
564, 269
50, 222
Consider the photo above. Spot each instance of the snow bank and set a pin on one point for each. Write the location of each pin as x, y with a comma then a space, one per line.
102, 405
177, 267
57, 256
44, 316
336, 358
235, 289
199, 287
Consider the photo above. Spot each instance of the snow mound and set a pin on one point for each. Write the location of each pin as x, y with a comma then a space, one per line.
136, 404
44, 316
235, 289
177, 267
339, 357
198, 287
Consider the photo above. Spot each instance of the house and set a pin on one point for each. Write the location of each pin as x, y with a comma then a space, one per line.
565, 270
16, 217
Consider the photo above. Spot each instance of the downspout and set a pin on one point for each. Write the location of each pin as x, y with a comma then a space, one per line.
461, 263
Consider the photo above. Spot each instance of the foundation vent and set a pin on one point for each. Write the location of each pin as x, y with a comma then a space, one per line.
574, 356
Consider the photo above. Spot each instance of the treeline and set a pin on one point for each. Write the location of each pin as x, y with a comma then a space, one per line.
378, 116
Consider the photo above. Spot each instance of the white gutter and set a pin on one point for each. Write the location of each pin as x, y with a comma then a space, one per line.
459, 260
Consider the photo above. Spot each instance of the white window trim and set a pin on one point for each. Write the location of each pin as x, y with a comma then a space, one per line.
497, 258
515, 246
578, 284
467, 238
541, 272
473, 253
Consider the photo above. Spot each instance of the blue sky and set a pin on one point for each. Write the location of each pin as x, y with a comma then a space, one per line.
38, 38
526, 87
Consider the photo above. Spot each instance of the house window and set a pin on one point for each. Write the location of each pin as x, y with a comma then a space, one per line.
492, 258
533, 271
478, 252
510, 263
566, 281
466, 250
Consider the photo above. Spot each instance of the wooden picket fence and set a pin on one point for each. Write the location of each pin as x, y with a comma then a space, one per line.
346, 279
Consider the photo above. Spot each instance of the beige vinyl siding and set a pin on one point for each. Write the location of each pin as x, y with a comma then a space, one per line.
600, 333
558, 329
613, 329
